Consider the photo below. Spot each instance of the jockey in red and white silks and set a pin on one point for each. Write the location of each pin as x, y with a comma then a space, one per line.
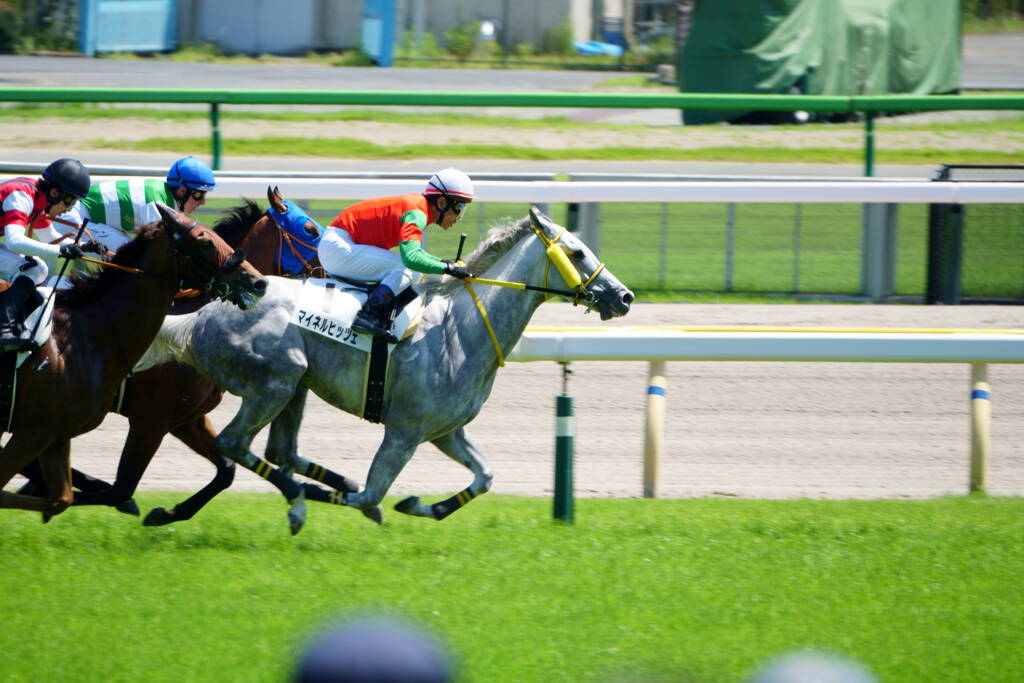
27, 205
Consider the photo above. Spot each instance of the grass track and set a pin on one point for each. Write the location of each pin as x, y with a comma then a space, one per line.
692, 590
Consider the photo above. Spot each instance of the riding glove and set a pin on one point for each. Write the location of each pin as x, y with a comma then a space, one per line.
96, 247
70, 251
460, 272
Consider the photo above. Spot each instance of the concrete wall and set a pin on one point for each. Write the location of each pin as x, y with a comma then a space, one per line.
527, 19
271, 26
297, 26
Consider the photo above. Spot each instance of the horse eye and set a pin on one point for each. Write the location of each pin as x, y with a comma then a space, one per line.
578, 255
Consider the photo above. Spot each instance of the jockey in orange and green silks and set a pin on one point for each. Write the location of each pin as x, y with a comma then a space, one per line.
363, 235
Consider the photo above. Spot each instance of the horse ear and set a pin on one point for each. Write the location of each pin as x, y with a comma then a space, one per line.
275, 199
540, 219
171, 217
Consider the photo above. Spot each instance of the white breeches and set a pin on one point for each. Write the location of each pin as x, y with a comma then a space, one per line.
13, 265
339, 255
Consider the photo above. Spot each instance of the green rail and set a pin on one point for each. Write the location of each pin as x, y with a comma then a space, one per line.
869, 105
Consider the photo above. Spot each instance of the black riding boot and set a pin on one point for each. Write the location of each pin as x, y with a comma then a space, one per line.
12, 313
375, 315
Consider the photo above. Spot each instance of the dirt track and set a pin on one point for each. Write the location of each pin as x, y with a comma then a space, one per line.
768, 430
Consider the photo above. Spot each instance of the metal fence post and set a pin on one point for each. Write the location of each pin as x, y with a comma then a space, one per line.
878, 251
215, 134
730, 244
654, 428
565, 429
981, 427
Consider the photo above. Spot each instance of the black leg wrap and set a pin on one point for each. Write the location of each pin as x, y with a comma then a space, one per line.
314, 492
336, 481
447, 507
285, 484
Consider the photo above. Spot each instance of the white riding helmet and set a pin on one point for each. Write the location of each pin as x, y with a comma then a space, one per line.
450, 182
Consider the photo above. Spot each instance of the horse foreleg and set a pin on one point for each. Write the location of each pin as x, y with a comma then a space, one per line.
459, 448
200, 437
391, 457
141, 444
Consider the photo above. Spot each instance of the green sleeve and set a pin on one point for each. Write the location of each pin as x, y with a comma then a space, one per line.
93, 204
415, 258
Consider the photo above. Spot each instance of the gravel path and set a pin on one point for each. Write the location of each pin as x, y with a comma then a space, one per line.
766, 430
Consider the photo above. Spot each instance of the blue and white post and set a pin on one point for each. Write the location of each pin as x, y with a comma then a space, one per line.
654, 428
565, 429
981, 427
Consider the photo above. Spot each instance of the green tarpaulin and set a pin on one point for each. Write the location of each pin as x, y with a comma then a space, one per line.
820, 47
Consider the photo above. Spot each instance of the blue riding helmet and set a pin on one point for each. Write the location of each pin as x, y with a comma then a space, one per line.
192, 173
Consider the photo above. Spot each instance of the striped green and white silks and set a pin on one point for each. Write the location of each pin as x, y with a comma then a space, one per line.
126, 204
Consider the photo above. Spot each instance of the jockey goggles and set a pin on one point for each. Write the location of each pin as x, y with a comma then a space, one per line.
198, 195
456, 206
69, 199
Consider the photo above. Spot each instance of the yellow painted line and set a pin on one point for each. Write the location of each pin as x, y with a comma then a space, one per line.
765, 328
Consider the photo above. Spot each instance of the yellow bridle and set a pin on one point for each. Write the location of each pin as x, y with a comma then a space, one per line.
556, 254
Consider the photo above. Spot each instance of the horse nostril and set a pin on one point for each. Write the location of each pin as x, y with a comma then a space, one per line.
627, 298
260, 285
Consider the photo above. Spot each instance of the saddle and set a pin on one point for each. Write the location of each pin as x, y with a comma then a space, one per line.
327, 306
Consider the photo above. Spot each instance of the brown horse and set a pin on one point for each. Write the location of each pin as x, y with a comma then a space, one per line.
174, 399
101, 327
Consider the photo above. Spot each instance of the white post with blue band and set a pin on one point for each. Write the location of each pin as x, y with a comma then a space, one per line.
981, 425
654, 428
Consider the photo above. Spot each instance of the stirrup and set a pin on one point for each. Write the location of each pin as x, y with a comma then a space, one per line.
13, 342
367, 325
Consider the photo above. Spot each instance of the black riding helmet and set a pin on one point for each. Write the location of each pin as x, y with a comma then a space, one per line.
69, 176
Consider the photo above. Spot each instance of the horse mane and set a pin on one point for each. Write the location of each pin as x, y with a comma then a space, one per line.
237, 221
499, 240
87, 288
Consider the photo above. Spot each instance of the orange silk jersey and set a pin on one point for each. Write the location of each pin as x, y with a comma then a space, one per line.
386, 221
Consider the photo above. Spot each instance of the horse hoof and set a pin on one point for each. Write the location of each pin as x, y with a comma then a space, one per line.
158, 517
297, 513
374, 514
128, 507
47, 517
408, 505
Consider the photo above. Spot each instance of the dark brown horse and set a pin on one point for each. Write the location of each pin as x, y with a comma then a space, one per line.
174, 399
101, 327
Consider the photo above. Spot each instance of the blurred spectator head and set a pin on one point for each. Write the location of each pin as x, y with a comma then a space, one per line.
374, 650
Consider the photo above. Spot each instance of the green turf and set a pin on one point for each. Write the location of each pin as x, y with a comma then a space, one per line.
351, 148
692, 590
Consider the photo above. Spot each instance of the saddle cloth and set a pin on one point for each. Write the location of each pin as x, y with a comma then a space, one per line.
328, 307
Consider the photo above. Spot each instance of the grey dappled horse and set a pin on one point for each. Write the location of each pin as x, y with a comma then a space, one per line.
438, 378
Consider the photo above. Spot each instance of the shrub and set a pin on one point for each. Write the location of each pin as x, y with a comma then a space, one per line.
461, 39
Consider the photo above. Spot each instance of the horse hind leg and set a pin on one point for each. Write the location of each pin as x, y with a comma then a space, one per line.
234, 442
459, 448
283, 449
